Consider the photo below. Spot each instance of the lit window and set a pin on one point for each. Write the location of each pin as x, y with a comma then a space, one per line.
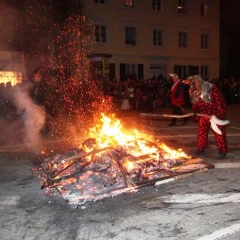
204, 41
130, 35
100, 33
99, 1
204, 10
183, 39
129, 3
157, 37
157, 5
205, 71
182, 6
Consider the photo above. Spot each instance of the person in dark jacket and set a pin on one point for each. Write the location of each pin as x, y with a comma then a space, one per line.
177, 98
39, 93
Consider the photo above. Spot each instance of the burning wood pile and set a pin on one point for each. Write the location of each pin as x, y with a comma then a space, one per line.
111, 162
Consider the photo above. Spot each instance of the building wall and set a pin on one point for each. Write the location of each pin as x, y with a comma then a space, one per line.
115, 16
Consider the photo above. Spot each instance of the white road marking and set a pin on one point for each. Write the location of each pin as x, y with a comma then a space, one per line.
222, 233
9, 200
227, 165
203, 198
165, 181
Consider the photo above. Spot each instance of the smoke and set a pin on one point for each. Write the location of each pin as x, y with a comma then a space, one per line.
33, 117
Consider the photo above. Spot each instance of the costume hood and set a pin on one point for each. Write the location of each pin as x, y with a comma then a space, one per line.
204, 87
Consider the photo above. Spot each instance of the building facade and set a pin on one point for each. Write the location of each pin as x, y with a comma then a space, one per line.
143, 38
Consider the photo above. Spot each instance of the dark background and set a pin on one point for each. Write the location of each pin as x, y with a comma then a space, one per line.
230, 38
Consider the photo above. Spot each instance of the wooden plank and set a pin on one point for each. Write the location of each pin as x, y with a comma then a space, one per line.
181, 176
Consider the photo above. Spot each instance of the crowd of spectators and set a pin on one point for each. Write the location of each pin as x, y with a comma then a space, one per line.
153, 93
144, 95
230, 88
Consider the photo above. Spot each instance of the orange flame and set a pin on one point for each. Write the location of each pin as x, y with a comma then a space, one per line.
110, 132
173, 154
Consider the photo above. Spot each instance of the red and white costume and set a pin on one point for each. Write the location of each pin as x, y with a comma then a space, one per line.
208, 101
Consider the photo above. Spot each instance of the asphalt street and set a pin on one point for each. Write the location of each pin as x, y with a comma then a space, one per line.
205, 206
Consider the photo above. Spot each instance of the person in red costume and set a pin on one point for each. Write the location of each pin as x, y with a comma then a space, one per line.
207, 99
177, 98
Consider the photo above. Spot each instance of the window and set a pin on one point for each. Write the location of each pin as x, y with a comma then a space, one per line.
99, 1
204, 10
100, 34
131, 70
157, 37
181, 70
157, 5
182, 6
129, 3
130, 35
205, 71
183, 39
204, 41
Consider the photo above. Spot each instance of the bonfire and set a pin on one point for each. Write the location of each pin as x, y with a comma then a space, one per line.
112, 160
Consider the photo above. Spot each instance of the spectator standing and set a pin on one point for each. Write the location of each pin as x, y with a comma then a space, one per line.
131, 96
38, 93
125, 98
2, 100
138, 97
9, 108
177, 98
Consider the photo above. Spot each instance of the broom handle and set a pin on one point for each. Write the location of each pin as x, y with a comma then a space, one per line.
175, 116
187, 115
